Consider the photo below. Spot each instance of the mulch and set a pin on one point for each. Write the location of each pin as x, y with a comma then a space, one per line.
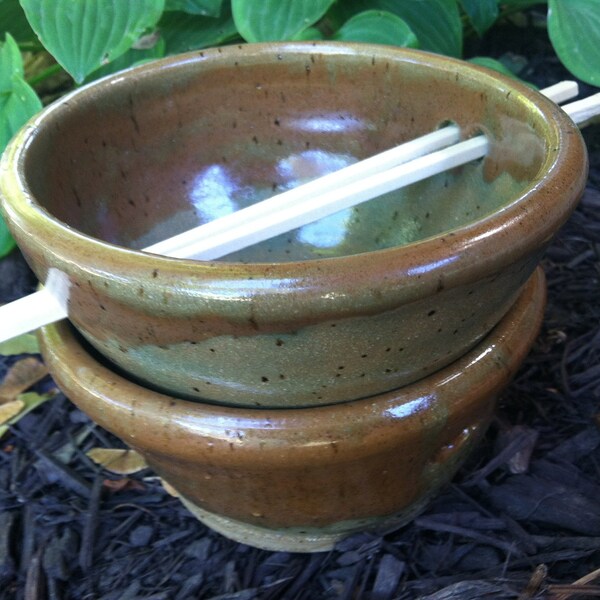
520, 521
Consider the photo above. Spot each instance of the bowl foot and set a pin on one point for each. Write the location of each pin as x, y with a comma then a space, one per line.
299, 539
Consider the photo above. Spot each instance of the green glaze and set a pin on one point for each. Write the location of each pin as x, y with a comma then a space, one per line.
363, 303
299, 479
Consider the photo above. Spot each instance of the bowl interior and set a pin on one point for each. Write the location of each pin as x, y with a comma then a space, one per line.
148, 154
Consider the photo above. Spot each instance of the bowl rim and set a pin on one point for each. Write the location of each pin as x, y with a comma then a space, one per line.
472, 250
469, 384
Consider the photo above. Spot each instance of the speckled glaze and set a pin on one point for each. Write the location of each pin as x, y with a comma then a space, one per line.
299, 479
371, 300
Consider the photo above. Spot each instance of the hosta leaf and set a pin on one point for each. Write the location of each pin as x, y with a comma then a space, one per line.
84, 34
271, 20
436, 23
13, 20
496, 65
6, 240
11, 64
132, 57
182, 32
18, 102
16, 107
377, 27
308, 34
118, 460
205, 8
492, 63
519, 4
574, 29
481, 13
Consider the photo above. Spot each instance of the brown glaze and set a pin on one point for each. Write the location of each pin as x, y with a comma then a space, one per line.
314, 472
418, 279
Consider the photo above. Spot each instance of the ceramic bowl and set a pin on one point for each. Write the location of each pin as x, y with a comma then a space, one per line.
299, 479
361, 303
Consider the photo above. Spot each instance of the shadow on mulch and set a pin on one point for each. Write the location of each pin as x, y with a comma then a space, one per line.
520, 521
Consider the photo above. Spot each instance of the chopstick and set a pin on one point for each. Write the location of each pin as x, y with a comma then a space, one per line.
241, 229
195, 242
408, 163
336, 191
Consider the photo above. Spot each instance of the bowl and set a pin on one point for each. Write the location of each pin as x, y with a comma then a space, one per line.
299, 479
358, 304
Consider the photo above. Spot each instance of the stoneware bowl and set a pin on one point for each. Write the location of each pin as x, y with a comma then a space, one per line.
358, 304
299, 479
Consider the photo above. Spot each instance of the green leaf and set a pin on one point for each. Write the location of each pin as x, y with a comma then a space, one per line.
23, 344
84, 34
309, 34
18, 102
13, 20
492, 63
574, 29
496, 65
518, 4
204, 8
11, 64
481, 13
272, 20
16, 108
6, 241
132, 57
182, 32
436, 23
377, 27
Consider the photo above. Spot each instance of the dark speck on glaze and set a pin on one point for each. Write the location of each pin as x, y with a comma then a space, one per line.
294, 479
76, 189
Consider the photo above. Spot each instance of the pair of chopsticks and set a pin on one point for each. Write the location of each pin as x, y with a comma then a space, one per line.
401, 166
398, 167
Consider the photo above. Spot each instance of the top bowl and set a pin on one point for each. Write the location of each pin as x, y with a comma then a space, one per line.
362, 302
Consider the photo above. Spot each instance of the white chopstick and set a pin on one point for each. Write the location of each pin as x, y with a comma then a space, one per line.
372, 177
241, 233
561, 92
331, 193
188, 244
582, 111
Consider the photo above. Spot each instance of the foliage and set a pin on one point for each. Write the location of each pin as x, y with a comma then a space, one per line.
282, 20
18, 102
574, 29
24, 344
98, 31
91, 38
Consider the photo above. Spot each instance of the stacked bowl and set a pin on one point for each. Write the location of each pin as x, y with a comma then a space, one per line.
332, 378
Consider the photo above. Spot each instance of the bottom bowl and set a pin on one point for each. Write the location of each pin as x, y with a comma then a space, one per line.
301, 479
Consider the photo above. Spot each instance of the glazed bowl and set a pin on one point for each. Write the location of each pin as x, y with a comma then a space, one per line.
299, 479
355, 305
